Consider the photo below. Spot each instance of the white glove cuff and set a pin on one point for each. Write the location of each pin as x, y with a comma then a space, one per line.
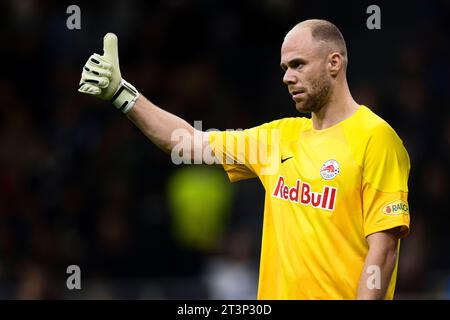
125, 97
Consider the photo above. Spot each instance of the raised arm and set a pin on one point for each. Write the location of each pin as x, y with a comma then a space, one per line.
101, 78
158, 125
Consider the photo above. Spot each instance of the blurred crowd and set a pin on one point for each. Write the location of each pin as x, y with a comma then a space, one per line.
80, 185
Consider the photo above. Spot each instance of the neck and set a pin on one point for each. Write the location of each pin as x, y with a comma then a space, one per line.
340, 106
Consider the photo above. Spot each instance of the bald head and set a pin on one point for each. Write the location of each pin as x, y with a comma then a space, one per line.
325, 33
314, 61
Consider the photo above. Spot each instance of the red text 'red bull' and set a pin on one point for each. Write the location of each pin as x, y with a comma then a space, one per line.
301, 193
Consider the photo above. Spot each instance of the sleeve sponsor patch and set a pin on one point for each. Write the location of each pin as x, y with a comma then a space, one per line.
396, 208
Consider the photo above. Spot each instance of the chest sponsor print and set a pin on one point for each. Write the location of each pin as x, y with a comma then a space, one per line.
302, 194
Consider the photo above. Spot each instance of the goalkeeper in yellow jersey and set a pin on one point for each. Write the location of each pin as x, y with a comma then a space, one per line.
336, 184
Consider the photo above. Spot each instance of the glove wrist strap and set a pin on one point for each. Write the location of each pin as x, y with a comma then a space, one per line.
125, 97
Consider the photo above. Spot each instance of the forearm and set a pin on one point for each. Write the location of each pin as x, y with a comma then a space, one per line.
157, 124
377, 271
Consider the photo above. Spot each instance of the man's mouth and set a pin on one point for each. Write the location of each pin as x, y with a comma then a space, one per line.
298, 94
297, 90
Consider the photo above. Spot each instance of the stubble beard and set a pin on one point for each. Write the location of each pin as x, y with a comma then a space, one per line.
318, 95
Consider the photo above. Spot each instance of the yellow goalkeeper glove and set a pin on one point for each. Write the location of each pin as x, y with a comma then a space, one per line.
101, 77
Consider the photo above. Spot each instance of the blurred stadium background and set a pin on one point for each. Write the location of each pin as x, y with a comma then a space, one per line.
81, 185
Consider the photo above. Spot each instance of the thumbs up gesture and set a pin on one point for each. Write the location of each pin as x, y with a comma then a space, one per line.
101, 77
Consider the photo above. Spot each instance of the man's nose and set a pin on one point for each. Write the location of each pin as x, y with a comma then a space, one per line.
289, 77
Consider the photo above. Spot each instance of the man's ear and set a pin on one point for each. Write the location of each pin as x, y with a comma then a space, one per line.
335, 63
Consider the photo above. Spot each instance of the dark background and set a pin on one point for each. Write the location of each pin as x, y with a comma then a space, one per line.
80, 185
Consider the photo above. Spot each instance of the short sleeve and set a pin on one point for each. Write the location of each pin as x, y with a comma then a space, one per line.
386, 169
246, 153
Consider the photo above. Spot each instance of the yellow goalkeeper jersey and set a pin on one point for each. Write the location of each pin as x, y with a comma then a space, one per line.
326, 191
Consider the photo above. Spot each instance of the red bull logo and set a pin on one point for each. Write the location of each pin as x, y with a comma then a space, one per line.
330, 169
301, 193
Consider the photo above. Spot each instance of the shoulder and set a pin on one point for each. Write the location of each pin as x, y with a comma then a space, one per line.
372, 138
369, 127
384, 159
285, 129
286, 123
379, 130
288, 128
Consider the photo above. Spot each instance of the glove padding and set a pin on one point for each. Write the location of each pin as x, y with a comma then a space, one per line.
101, 77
